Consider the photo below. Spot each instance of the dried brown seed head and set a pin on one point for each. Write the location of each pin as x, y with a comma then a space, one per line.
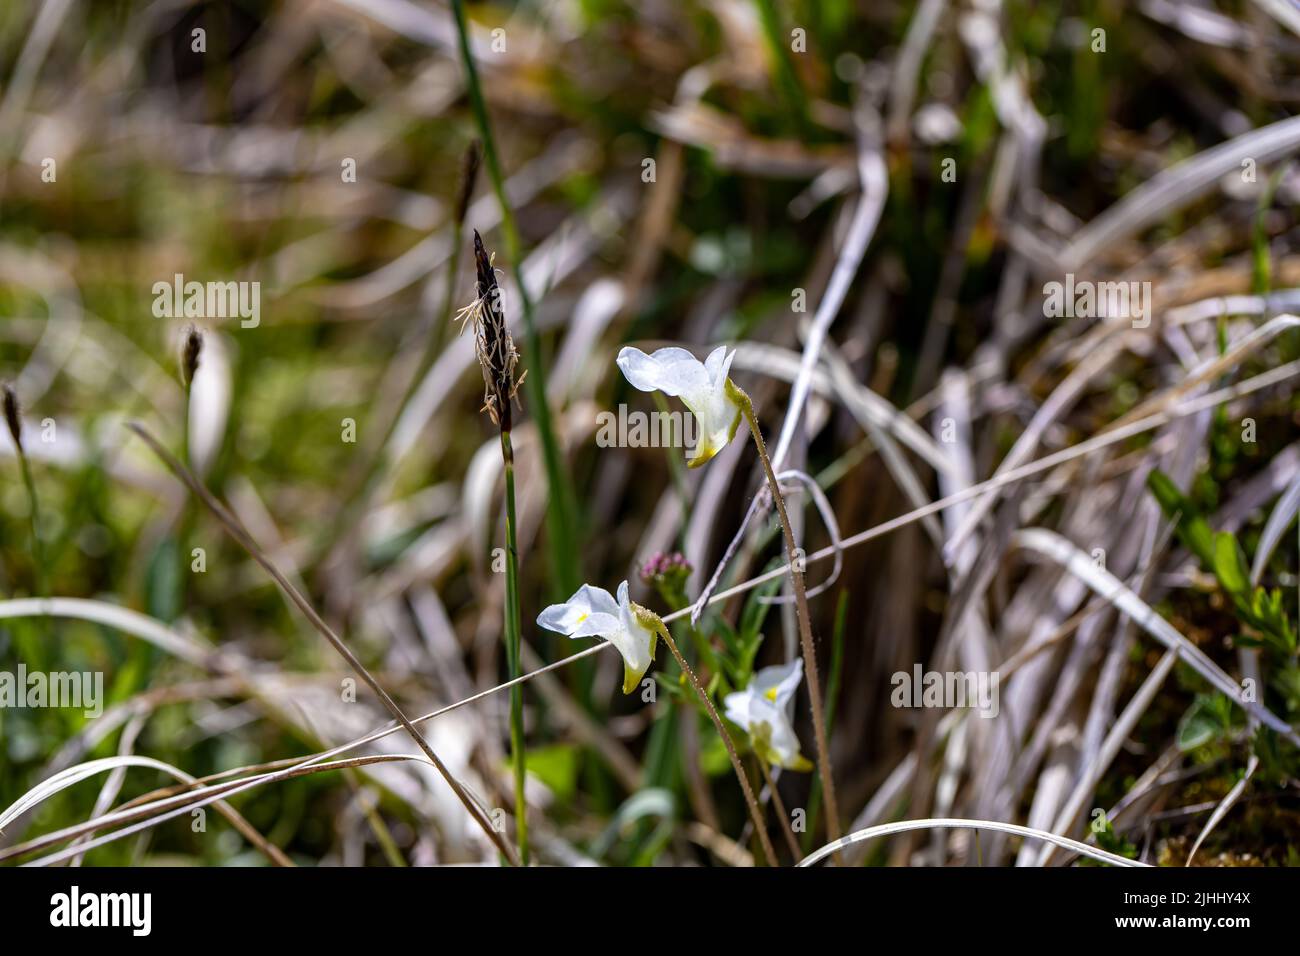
497, 356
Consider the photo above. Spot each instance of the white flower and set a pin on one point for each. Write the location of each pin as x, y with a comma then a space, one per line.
703, 388
763, 709
593, 612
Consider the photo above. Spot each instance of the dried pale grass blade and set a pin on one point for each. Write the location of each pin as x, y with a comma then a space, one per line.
1123, 599
1226, 804
191, 649
783, 364
827, 514
1279, 520
1123, 726
73, 775
902, 826
143, 817
874, 179
1169, 191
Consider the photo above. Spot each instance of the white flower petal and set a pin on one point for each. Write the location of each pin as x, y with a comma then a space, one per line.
672, 371
702, 387
718, 365
594, 612
779, 684
762, 709
717, 417
598, 599
597, 624
588, 604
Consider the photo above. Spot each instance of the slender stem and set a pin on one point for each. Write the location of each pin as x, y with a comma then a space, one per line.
446, 314
236, 530
805, 626
795, 853
34, 519
755, 814
787, 81
185, 426
186, 519
34, 652
565, 554
512, 635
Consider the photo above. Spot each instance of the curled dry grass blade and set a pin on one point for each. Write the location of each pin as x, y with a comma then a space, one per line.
887, 829
74, 775
140, 815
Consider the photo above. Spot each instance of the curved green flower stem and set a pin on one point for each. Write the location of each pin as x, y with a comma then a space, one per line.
754, 812
512, 632
805, 619
560, 508
795, 853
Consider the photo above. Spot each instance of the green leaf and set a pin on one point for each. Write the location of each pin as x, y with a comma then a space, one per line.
1207, 720
1230, 564
163, 581
557, 767
1192, 528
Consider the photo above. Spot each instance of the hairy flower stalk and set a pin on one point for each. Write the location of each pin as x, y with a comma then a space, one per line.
498, 359
742, 399
755, 813
787, 828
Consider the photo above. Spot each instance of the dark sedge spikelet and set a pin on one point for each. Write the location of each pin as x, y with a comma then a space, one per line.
497, 356
12, 416
190, 352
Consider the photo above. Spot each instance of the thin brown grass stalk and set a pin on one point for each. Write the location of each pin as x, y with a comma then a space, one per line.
236, 530
786, 828
805, 620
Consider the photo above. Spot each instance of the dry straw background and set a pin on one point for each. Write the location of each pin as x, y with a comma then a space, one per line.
866, 200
